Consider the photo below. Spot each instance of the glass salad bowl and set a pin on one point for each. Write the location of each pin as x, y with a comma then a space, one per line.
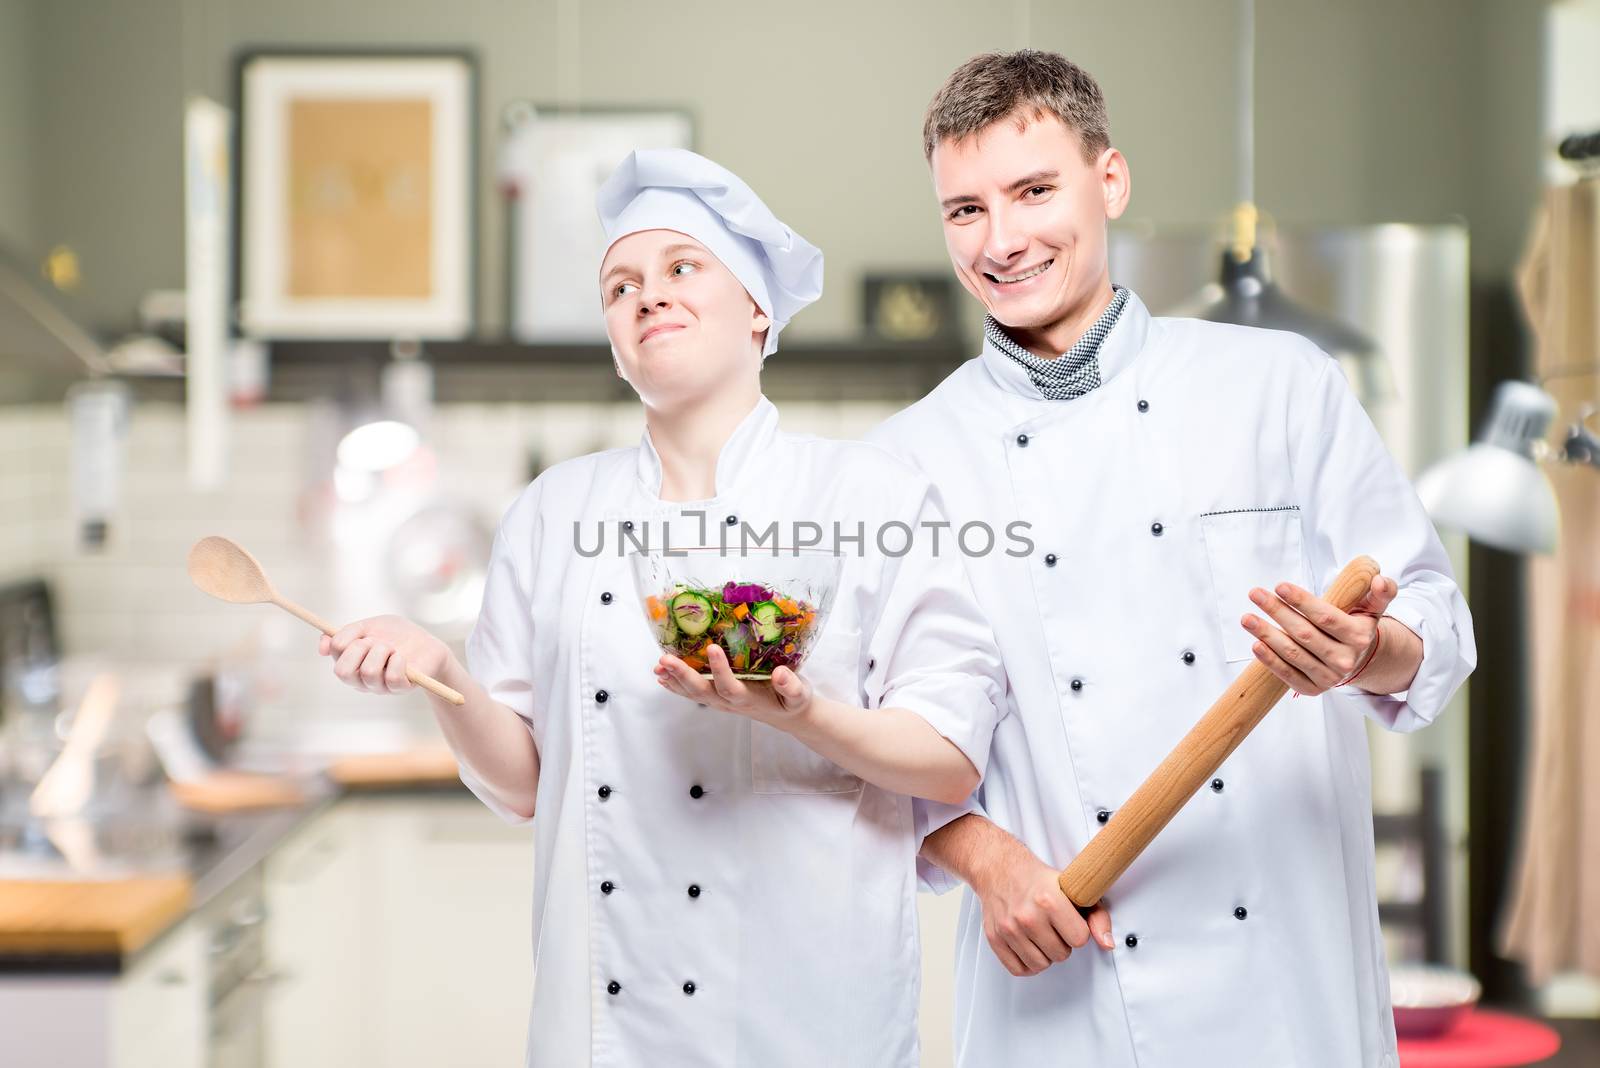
765, 608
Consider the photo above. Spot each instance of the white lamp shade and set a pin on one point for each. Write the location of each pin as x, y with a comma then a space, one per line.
377, 446
1495, 496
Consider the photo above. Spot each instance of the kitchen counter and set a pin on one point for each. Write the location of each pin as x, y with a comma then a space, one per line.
57, 923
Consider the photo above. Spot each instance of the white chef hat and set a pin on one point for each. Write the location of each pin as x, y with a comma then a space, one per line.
675, 189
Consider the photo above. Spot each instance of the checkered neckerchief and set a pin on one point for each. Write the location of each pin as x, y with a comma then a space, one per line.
1072, 374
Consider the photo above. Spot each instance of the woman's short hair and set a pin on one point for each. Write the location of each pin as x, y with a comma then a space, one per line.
1022, 84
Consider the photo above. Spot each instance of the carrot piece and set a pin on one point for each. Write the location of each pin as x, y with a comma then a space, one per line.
740, 611
657, 609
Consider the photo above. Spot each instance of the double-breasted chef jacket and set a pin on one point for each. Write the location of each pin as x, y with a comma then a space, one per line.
1211, 460
708, 890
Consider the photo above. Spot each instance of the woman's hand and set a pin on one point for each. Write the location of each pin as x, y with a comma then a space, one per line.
372, 654
782, 703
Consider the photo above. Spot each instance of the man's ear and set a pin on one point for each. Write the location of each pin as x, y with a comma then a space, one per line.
1116, 182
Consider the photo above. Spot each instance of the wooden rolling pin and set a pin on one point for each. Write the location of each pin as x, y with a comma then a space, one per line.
1195, 759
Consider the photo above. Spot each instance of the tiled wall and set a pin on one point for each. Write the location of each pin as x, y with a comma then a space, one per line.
31, 441
131, 607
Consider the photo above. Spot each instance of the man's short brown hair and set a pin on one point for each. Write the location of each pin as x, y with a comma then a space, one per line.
993, 86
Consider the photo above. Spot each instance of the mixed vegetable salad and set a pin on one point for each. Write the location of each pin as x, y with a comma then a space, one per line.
757, 627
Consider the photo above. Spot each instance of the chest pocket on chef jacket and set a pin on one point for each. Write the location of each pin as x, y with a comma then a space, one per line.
780, 764
1249, 548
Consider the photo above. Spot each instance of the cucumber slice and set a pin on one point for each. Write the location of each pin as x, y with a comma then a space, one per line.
764, 615
692, 613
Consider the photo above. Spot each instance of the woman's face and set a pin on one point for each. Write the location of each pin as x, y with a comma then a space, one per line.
681, 324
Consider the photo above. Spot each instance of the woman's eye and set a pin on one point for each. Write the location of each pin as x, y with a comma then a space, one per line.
622, 289
684, 267
1039, 190
963, 211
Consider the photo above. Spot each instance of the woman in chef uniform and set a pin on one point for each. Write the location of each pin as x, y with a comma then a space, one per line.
724, 871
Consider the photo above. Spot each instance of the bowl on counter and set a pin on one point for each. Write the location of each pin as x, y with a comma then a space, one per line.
765, 608
1430, 999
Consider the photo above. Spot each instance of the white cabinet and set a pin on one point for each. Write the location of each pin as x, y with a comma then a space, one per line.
313, 1012
452, 948
152, 1016
158, 1009
400, 932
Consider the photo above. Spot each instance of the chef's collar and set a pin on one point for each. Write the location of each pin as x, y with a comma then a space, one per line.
748, 451
1116, 352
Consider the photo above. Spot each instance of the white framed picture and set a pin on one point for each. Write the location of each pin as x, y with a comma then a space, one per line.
552, 164
356, 195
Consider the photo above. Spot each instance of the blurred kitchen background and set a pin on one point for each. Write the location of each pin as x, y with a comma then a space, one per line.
234, 302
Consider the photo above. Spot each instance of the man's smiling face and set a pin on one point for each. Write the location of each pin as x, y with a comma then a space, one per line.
1025, 219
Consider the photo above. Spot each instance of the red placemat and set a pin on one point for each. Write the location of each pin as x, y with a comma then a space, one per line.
1483, 1039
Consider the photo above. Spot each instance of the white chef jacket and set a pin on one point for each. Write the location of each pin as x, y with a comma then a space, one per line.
1213, 459
677, 844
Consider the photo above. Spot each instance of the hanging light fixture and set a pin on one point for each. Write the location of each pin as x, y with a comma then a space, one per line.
1493, 491
1249, 296
391, 434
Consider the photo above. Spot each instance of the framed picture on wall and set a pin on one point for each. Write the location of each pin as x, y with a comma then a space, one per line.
908, 307
356, 202
552, 163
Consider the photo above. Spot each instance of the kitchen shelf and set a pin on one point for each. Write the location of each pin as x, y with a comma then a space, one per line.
510, 352
500, 370
488, 371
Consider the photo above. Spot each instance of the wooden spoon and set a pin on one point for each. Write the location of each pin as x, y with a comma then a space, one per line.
227, 571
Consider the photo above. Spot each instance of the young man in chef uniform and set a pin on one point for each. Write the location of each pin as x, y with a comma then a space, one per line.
1188, 485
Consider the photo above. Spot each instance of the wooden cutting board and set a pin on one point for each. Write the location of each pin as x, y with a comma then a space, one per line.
237, 791
425, 766
114, 916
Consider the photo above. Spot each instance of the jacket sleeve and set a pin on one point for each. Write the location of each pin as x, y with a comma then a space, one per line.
499, 650
931, 649
1358, 501
931, 816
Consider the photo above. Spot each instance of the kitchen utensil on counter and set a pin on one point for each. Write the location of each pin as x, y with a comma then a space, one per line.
65, 788
227, 571
196, 782
1430, 999
430, 765
766, 608
226, 790
211, 731
1193, 761
88, 801
29, 650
